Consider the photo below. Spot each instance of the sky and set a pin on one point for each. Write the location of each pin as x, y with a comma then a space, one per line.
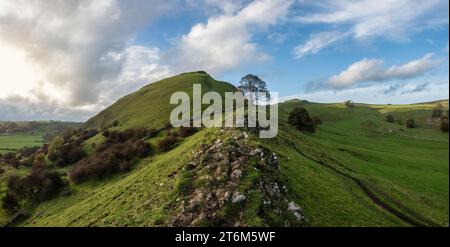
68, 60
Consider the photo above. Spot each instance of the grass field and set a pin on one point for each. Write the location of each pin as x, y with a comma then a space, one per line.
14, 142
406, 169
356, 170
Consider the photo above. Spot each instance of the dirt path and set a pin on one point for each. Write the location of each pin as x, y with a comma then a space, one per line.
418, 221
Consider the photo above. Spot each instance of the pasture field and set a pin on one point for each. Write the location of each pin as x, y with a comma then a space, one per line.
14, 142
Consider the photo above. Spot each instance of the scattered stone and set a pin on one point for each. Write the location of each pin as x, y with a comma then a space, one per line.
238, 197
236, 174
255, 152
293, 207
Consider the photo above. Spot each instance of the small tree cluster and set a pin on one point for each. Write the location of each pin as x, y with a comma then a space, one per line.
390, 118
40, 185
300, 119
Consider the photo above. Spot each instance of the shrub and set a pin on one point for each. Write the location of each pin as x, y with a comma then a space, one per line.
316, 120
87, 134
300, 119
11, 159
69, 154
390, 118
39, 161
349, 103
110, 158
27, 152
167, 143
38, 186
186, 131
2, 171
410, 123
54, 148
444, 124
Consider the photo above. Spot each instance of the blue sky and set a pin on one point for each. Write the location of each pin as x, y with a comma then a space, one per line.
71, 59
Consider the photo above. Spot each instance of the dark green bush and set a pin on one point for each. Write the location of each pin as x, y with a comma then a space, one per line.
300, 119
390, 118
410, 123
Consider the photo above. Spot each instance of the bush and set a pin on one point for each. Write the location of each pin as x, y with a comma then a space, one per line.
39, 161
38, 186
444, 124
410, 123
113, 158
69, 154
349, 103
390, 118
27, 152
167, 143
186, 131
11, 159
316, 120
2, 171
54, 148
300, 119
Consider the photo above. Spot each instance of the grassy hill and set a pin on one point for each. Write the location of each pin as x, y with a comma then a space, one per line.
150, 106
356, 170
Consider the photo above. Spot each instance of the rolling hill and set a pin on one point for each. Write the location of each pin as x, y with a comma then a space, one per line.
356, 170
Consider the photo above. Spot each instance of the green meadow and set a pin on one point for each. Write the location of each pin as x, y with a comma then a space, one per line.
14, 142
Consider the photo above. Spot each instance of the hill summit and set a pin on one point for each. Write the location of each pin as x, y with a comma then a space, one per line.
150, 106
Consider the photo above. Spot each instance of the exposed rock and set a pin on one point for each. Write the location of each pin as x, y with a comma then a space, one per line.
218, 169
238, 197
236, 174
293, 207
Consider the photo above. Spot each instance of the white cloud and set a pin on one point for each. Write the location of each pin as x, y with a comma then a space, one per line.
365, 19
317, 42
368, 70
63, 51
225, 41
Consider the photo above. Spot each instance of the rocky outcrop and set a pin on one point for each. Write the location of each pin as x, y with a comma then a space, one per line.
220, 175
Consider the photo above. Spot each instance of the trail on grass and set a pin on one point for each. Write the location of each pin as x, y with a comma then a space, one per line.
419, 222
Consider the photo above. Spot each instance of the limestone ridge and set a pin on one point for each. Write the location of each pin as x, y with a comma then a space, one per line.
231, 179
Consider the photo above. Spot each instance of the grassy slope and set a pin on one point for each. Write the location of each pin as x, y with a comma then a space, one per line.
150, 106
137, 198
406, 169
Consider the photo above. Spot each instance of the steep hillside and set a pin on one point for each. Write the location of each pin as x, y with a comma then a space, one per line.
150, 106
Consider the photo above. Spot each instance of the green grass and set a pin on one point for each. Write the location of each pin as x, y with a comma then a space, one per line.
407, 169
14, 142
150, 106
